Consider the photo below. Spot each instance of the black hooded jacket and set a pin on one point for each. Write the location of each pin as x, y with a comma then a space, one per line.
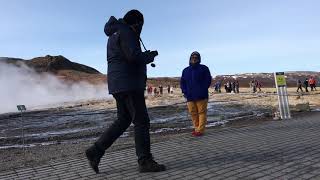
126, 62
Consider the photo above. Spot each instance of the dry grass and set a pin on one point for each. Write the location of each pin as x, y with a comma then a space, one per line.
268, 97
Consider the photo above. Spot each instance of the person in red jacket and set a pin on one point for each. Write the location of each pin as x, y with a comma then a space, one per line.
312, 83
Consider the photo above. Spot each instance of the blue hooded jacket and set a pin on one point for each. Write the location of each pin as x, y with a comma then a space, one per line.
195, 81
126, 62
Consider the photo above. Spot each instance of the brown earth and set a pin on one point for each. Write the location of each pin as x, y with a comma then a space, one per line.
61, 67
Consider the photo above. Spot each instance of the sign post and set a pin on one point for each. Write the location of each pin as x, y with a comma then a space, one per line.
283, 100
22, 108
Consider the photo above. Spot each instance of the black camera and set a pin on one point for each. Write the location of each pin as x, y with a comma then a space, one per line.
155, 53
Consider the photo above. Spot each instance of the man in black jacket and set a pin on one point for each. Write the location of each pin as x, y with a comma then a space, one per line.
306, 84
126, 82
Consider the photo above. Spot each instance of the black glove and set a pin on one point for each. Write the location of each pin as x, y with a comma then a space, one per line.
154, 53
150, 56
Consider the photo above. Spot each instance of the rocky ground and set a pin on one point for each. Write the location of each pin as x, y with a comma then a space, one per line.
66, 130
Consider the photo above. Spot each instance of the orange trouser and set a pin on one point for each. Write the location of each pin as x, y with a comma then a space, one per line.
198, 111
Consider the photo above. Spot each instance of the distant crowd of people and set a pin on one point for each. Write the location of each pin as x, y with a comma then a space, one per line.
233, 86
255, 85
311, 82
230, 87
158, 90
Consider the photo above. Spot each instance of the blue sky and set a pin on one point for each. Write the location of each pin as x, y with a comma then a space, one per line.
233, 36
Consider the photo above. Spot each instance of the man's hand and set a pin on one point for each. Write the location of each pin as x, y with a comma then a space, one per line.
154, 53
151, 55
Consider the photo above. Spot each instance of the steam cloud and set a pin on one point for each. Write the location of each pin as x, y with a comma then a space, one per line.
22, 85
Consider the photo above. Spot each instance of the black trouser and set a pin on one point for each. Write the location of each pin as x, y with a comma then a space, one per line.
313, 87
299, 88
131, 107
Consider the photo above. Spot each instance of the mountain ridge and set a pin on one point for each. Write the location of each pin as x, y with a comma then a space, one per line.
70, 71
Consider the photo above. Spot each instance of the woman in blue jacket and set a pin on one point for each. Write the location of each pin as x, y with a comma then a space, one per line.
194, 83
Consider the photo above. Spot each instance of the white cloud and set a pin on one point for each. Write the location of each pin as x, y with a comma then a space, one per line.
22, 85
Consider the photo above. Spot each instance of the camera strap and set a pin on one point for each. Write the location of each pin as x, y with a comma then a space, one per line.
142, 44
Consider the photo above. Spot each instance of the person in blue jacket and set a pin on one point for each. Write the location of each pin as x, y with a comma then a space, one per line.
126, 82
194, 83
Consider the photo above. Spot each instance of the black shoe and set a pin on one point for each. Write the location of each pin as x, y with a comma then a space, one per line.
94, 155
149, 165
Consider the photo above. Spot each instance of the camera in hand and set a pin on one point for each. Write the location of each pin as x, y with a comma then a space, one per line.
154, 53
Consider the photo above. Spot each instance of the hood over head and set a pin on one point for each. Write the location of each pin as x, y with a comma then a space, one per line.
195, 53
112, 26
134, 18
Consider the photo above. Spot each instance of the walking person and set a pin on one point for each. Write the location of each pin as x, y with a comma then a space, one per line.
312, 83
299, 85
258, 85
229, 86
150, 90
171, 90
194, 83
216, 87
219, 86
161, 89
233, 87
126, 81
306, 84
237, 86
155, 92
253, 85
226, 87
